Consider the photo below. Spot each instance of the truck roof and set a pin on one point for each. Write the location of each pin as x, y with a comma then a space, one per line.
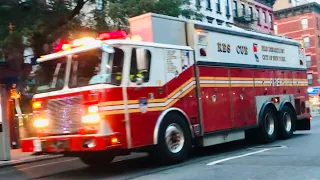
111, 42
156, 21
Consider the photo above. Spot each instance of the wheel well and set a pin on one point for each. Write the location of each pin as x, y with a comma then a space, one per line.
162, 118
288, 104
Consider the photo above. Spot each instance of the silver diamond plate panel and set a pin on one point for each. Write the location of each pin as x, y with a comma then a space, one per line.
65, 114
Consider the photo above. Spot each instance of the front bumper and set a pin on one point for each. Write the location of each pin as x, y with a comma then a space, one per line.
71, 143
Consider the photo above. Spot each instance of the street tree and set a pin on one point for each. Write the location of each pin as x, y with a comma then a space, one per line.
40, 23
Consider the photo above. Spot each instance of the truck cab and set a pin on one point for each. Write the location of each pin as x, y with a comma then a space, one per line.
104, 94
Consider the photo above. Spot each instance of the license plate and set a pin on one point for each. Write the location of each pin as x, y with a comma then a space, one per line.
60, 145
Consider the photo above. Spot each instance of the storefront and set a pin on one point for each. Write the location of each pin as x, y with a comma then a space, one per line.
314, 100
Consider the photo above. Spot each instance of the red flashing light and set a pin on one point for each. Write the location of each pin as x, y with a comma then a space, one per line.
113, 35
275, 99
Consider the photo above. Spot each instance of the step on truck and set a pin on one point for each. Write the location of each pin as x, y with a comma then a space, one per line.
169, 86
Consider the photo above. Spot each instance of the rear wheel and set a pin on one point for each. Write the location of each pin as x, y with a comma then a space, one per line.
97, 160
268, 126
174, 140
287, 122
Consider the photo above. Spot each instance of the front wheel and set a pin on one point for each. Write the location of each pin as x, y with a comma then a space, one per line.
174, 140
287, 122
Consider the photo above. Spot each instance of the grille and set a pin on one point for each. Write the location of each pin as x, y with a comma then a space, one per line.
65, 115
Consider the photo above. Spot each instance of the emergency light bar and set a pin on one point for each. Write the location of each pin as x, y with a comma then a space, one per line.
112, 35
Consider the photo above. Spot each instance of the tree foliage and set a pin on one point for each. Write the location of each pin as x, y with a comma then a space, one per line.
119, 11
42, 22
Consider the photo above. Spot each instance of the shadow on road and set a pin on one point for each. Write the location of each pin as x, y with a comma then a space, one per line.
134, 168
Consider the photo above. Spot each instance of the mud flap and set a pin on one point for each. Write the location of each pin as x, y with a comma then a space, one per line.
303, 124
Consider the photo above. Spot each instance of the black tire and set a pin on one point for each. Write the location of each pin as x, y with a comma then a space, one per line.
96, 160
287, 122
161, 152
266, 134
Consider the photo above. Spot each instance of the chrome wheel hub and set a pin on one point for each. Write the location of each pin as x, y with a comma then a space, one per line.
287, 121
174, 138
269, 124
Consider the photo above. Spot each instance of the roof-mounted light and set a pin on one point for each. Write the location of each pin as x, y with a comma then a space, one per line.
84, 42
112, 35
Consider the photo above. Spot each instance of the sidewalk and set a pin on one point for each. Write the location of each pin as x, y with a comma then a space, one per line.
18, 157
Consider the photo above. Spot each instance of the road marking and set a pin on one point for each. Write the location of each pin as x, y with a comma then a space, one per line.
31, 167
235, 157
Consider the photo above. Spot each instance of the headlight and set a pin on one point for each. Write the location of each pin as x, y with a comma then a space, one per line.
91, 119
40, 123
37, 105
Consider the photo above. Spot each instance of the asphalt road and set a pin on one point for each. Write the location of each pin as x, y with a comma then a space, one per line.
294, 159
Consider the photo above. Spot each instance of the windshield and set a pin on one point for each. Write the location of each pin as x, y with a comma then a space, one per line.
86, 68
50, 75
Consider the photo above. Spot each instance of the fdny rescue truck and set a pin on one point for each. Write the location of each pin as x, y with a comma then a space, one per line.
170, 86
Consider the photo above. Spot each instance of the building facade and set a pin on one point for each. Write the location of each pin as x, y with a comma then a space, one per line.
283, 4
243, 13
303, 23
214, 11
264, 16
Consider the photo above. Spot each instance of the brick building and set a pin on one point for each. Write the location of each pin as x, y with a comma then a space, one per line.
303, 23
264, 16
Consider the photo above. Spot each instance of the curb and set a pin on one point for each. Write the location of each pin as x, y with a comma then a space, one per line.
33, 158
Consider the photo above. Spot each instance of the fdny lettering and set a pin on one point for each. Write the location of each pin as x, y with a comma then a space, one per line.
225, 48
242, 50
275, 82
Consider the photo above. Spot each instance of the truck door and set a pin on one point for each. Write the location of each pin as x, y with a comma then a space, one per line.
215, 98
145, 93
242, 93
180, 82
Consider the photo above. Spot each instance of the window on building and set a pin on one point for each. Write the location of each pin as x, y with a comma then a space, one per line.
304, 23
308, 61
270, 21
140, 64
264, 17
251, 12
218, 5
310, 79
227, 7
198, 3
243, 9
208, 4
235, 8
306, 42
275, 27
258, 16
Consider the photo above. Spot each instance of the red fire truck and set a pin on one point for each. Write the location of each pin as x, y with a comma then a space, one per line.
171, 86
